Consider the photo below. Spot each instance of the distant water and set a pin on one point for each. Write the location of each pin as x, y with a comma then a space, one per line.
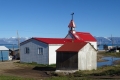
109, 61
101, 46
10, 46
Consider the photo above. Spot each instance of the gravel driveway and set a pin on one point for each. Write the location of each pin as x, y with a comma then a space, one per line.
13, 69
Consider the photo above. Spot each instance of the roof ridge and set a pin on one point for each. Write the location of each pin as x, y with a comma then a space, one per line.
83, 32
48, 38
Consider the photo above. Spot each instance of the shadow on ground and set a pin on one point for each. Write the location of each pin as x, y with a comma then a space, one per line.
34, 72
44, 68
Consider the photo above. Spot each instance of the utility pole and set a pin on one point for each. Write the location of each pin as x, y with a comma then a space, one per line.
13, 51
18, 43
112, 40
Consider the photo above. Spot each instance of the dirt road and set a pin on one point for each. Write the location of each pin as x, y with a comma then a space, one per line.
12, 68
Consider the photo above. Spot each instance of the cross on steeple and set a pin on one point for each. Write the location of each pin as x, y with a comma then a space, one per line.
72, 25
72, 15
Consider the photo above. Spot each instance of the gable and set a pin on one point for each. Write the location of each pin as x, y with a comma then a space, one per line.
70, 36
33, 41
93, 47
24, 42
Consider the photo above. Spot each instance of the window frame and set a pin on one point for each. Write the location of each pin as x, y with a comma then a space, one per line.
40, 51
27, 50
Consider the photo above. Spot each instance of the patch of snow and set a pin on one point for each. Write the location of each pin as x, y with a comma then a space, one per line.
107, 38
26, 38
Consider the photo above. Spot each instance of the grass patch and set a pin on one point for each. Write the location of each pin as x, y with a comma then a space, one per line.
3, 77
84, 75
113, 54
58, 78
107, 71
34, 64
102, 71
68, 78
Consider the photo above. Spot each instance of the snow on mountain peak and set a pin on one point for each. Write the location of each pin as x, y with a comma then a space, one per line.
13, 37
107, 38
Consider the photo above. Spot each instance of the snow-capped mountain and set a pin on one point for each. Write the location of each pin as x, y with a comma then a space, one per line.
100, 40
12, 40
108, 40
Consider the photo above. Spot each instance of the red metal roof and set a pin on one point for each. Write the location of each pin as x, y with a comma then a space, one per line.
56, 40
85, 36
71, 24
72, 47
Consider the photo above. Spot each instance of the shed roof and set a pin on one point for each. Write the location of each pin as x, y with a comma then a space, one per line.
72, 47
85, 36
3, 48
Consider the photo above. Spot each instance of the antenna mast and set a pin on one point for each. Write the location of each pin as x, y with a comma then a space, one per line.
112, 40
18, 43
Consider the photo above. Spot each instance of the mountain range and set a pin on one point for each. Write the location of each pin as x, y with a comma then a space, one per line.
108, 40
12, 40
100, 40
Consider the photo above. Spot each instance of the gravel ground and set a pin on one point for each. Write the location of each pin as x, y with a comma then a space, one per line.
11, 68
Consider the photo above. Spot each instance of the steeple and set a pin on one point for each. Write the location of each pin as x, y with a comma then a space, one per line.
72, 24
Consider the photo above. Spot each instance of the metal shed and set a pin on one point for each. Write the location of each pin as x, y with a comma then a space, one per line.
76, 56
4, 53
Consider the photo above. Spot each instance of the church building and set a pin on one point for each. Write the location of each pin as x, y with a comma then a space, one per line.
43, 50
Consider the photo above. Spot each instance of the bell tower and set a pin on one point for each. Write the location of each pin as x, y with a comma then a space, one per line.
72, 25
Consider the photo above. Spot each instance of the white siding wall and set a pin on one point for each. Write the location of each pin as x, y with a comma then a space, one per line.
33, 56
52, 52
87, 58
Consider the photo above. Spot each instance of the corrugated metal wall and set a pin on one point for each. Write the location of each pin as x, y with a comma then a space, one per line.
87, 58
67, 61
4, 55
33, 56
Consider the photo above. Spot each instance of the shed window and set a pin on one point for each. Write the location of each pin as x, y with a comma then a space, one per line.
27, 50
40, 50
